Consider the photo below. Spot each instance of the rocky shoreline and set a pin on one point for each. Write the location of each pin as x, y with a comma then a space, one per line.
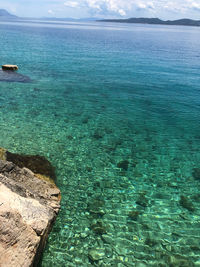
29, 204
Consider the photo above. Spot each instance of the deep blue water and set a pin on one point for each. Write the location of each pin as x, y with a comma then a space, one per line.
103, 96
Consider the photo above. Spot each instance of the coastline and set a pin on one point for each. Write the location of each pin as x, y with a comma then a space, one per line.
155, 21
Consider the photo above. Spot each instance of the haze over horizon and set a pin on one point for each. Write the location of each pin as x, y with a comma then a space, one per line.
163, 9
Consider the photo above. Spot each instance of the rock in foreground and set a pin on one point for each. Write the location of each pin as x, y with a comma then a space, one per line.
29, 204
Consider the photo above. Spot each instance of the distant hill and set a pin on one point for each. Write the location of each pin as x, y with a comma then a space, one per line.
184, 22
4, 14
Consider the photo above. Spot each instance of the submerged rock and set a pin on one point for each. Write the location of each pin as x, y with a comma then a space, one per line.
179, 261
96, 254
196, 173
151, 241
107, 239
28, 208
123, 165
96, 207
98, 228
98, 135
140, 264
186, 203
37, 164
142, 200
133, 215
11, 76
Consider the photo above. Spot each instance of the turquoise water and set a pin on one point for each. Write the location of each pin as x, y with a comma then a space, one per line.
116, 110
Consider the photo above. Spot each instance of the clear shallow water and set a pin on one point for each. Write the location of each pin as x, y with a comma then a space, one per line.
116, 110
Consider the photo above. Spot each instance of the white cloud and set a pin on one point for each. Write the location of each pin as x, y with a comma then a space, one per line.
72, 4
112, 7
173, 7
182, 7
136, 8
195, 5
50, 11
141, 5
122, 12
117, 7
94, 4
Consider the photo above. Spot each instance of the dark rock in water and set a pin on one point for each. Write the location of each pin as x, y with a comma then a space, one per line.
85, 120
133, 215
150, 241
96, 254
97, 135
98, 228
11, 76
179, 261
88, 169
36, 89
41, 167
70, 137
142, 200
37, 164
96, 207
196, 173
123, 165
186, 203
196, 197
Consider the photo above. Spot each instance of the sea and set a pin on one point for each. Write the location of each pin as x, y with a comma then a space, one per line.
116, 109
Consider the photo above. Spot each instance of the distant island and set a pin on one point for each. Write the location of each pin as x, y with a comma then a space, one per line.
184, 22
4, 14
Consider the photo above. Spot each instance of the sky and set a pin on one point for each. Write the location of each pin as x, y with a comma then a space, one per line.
164, 9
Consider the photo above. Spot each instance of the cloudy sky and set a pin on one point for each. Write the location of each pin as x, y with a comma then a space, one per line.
165, 9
